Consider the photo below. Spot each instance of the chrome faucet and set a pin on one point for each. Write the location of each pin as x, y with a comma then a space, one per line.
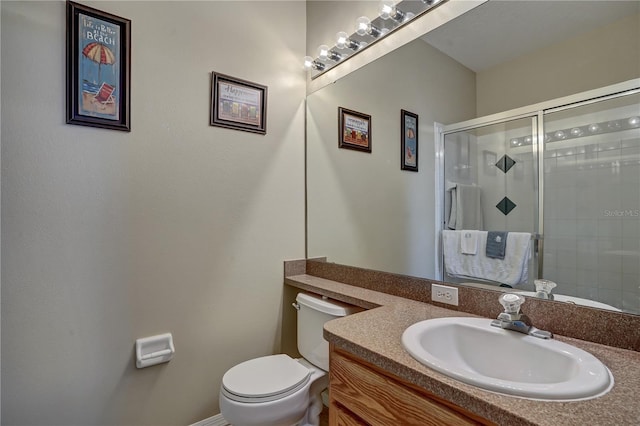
513, 319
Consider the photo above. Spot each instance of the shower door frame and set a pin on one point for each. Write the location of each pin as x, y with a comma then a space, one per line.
537, 111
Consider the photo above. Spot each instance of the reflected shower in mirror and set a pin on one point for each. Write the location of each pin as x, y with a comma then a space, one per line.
588, 215
365, 211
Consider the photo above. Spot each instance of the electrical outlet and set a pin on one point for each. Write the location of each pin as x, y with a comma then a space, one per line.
444, 294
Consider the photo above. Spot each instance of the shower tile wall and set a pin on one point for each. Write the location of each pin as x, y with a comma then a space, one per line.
592, 220
517, 183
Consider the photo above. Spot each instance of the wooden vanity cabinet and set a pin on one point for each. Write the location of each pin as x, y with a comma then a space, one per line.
363, 394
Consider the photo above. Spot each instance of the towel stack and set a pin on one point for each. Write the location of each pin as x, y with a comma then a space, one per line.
504, 260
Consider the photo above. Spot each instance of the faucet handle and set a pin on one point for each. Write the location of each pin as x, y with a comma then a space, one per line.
511, 303
544, 285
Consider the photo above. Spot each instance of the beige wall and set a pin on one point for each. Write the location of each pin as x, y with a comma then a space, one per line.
363, 210
175, 227
598, 58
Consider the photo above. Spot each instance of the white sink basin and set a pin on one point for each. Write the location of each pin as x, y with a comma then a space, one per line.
475, 352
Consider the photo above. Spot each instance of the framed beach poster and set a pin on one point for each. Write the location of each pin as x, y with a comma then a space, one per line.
238, 104
354, 130
98, 68
409, 141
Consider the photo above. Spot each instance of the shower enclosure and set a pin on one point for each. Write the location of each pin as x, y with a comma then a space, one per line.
565, 171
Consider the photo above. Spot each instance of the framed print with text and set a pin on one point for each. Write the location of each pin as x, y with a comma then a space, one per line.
238, 104
98, 68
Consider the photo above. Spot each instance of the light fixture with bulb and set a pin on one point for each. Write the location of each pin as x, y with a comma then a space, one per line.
392, 15
324, 53
576, 131
388, 9
312, 64
343, 40
365, 27
589, 130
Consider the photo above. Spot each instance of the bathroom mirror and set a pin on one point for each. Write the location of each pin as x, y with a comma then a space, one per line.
363, 210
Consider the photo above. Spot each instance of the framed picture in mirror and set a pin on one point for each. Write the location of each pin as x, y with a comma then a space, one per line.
354, 130
409, 141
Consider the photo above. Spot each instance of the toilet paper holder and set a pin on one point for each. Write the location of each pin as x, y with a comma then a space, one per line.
154, 350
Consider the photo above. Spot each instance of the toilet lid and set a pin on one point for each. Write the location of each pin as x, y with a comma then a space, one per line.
266, 378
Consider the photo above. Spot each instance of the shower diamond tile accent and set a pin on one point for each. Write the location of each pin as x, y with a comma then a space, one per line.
505, 163
505, 206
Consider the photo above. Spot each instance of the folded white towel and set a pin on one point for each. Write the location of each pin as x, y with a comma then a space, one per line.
512, 270
469, 242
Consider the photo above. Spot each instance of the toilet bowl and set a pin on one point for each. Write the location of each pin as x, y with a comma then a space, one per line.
278, 390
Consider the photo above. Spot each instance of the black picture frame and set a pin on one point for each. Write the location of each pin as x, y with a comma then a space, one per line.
238, 104
98, 74
354, 130
408, 141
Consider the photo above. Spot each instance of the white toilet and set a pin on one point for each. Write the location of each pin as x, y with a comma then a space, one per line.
278, 390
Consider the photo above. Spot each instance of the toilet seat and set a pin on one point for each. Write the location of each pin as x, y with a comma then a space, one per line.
265, 379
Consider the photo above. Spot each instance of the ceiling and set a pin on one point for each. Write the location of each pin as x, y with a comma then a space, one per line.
502, 30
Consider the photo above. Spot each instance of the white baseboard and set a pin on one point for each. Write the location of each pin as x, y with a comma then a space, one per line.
216, 420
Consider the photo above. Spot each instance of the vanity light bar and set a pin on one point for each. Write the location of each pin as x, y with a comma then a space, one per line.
392, 16
580, 131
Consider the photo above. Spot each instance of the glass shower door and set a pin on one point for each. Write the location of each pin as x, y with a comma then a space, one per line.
592, 201
500, 163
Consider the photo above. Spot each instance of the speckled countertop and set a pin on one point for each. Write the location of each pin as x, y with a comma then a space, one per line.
375, 336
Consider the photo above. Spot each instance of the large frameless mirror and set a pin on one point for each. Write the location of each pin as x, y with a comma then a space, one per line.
364, 210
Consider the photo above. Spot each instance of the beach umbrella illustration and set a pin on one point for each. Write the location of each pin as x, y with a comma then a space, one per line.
100, 54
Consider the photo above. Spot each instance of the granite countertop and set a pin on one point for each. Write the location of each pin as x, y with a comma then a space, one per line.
375, 336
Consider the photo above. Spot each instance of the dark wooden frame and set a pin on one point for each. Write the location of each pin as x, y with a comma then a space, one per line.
342, 130
73, 90
218, 110
403, 140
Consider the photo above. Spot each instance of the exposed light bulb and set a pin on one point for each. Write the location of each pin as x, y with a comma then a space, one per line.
634, 121
387, 9
363, 24
323, 52
593, 128
528, 140
343, 40
514, 142
364, 27
559, 134
576, 131
310, 63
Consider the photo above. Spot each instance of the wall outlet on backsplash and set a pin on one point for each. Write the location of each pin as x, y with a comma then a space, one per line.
444, 294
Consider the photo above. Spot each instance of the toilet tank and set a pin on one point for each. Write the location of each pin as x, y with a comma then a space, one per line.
313, 312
